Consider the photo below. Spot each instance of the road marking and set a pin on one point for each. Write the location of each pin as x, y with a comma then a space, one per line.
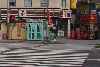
40, 57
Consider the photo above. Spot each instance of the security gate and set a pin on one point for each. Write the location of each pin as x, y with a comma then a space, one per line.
34, 31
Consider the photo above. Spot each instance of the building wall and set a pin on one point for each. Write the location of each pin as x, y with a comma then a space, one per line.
54, 4
19, 3
36, 4
3, 3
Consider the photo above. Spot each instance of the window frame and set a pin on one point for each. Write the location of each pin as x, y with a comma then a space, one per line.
26, 3
42, 2
63, 3
12, 1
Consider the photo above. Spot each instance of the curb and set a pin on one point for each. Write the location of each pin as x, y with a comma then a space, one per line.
11, 41
33, 42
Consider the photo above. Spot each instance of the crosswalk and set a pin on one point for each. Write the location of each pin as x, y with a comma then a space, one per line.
32, 57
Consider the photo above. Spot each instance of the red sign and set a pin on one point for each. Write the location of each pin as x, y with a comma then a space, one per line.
49, 18
92, 17
12, 17
88, 18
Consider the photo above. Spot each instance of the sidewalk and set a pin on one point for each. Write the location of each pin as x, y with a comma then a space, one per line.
11, 41
58, 41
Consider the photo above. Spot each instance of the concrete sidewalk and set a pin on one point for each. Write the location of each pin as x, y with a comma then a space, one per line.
58, 41
69, 44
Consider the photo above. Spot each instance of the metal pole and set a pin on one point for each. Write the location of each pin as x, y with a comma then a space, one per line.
68, 29
7, 19
7, 11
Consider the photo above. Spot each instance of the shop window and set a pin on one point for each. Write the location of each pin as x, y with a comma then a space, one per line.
12, 3
28, 3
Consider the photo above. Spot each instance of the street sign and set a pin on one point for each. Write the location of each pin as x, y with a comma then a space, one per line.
22, 12
67, 14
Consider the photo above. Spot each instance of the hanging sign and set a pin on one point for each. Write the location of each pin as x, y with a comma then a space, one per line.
22, 13
73, 4
66, 14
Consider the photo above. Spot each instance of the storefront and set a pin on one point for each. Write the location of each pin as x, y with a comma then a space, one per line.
36, 24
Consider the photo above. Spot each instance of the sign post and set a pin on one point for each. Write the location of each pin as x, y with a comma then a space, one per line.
67, 14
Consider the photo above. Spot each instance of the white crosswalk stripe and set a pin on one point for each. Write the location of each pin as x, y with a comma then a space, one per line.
28, 57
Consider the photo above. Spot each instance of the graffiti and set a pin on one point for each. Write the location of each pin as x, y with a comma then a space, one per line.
16, 31
3, 31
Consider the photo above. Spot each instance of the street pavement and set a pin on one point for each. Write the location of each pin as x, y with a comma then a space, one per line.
93, 58
22, 57
71, 53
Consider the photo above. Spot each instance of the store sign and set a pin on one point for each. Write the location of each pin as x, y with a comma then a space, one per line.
13, 11
88, 18
93, 12
34, 13
92, 18
22, 13
66, 14
73, 4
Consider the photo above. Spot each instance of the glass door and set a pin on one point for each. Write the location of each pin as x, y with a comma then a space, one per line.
39, 31
34, 31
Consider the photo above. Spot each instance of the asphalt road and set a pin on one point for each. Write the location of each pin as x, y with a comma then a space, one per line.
93, 59
29, 54
26, 57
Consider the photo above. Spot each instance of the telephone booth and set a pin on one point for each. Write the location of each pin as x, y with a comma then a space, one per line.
34, 29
